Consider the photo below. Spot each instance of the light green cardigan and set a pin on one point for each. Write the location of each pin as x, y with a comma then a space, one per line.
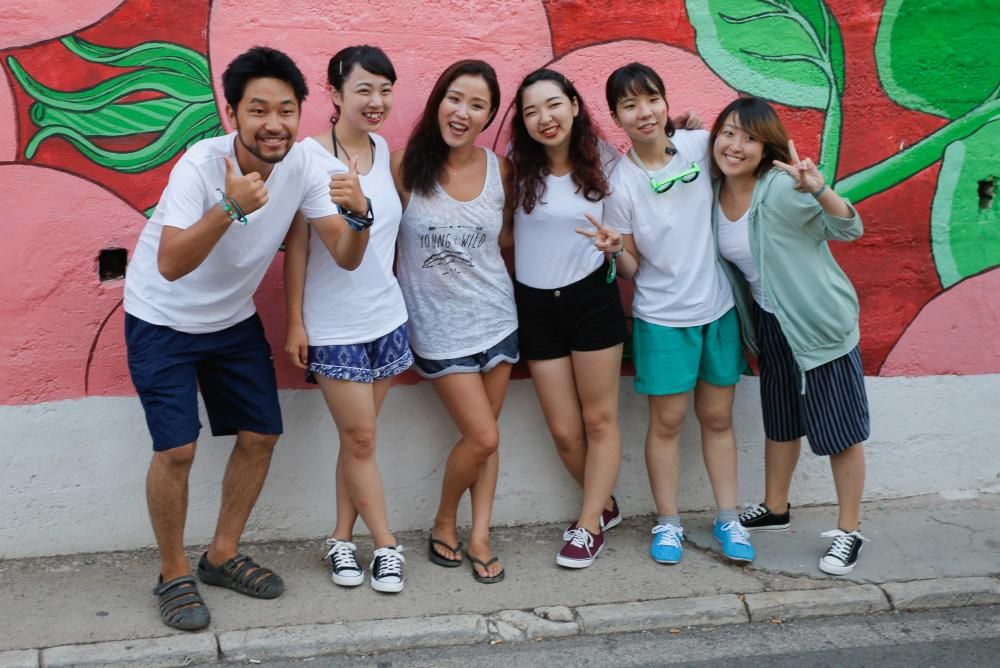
812, 298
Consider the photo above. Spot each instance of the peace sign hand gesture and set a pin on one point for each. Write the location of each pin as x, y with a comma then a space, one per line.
807, 176
604, 238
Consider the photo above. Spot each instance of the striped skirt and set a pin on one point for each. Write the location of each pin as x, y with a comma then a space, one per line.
833, 411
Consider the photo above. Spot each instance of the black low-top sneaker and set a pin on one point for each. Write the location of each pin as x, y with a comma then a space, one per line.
842, 556
759, 518
343, 558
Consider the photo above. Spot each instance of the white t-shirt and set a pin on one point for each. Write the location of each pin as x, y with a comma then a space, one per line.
458, 293
548, 251
219, 292
340, 306
734, 245
679, 282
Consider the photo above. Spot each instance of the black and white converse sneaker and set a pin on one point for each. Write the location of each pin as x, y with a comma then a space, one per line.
387, 569
757, 517
343, 558
842, 556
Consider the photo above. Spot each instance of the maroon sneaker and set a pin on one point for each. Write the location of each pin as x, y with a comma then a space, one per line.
581, 548
611, 518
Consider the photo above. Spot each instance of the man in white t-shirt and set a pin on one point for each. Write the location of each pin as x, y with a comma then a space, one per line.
190, 320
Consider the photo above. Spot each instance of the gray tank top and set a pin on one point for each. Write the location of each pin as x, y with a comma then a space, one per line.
457, 289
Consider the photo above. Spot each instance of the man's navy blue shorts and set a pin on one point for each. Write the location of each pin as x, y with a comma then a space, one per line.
233, 368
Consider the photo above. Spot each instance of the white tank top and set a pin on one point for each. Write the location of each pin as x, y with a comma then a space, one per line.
457, 289
341, 307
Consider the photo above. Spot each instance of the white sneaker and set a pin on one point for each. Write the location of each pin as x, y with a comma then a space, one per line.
387, 569
842, 556
343, 557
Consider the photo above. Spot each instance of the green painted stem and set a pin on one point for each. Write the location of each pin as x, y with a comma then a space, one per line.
829, 151
901, 166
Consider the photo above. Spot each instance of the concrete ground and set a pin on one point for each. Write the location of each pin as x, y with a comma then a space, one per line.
67, 601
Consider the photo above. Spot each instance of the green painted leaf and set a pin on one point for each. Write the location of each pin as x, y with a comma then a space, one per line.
933, 55
197, 121
170, 84
164, 55
965, 238
789, 51
114, 120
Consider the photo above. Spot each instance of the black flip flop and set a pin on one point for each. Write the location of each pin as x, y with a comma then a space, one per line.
485, 579
440, 559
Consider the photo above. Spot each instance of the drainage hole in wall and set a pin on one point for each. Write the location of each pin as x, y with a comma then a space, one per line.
111, 264
987, 191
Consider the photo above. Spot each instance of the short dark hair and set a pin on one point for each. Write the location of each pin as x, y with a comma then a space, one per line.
426, 150
635, 79
370, 58
760, 120
258, 63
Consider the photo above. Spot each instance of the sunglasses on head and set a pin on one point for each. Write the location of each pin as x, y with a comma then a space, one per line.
687, 176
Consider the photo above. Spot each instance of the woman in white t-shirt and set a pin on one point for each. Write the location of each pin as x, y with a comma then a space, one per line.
458, 293
570, 317
685, 330
347, 329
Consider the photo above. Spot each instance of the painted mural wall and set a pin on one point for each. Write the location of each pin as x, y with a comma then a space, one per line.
98, 98
896, 98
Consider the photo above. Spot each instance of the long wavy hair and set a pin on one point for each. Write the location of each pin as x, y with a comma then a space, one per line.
528, 156
760, 120
426, 150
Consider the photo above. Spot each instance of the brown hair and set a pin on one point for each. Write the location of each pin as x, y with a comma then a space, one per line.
426, 150
761, 121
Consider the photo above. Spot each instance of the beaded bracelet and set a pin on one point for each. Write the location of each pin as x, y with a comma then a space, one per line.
231, 208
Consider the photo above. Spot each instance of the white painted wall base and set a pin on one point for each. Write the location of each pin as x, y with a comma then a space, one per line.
73, 471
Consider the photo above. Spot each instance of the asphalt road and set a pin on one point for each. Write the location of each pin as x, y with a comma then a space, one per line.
946, 639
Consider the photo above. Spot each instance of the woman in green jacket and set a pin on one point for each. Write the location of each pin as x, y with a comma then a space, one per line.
773, 217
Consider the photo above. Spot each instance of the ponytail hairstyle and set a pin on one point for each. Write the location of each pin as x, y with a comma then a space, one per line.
528, 156
635, 79
369, 58
426, 150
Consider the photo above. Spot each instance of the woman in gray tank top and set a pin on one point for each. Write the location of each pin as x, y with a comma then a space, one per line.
458, 293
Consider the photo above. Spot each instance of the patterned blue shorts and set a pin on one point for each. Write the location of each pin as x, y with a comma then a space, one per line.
385, 357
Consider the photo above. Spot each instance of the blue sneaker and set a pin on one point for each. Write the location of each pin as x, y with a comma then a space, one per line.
735, 541
666, 546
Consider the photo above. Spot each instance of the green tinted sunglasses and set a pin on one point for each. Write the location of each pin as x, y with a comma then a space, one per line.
687, 176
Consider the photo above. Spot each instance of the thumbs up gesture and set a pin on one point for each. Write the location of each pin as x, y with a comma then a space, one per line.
345, 190
247, 190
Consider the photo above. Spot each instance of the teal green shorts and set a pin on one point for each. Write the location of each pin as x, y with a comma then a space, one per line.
670, 360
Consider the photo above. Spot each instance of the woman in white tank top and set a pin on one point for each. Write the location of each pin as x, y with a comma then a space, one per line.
458, 293
346, 325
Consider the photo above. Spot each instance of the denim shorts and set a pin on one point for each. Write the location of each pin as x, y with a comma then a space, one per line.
387, 356
504, 351
232, 367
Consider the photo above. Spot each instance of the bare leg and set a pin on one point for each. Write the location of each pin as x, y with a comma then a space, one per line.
597, 374
780, 459
714, 407
483, 491
466, 399
352, 406
849, 477
663, 455
556, 387
241, 485
347, 514
167, 498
